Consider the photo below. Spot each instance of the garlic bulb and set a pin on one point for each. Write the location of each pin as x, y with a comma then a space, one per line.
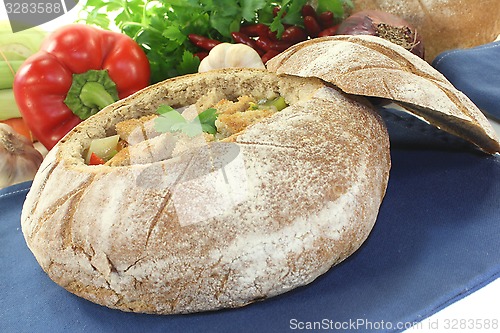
19, 160
226, 55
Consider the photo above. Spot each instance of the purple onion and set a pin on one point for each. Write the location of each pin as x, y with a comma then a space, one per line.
384, 25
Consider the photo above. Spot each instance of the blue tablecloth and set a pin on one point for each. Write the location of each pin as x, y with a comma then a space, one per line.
476, 72
436, 240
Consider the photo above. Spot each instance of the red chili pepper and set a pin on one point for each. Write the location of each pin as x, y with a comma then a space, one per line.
255, 30
329, 31
276, 10
272, 35
201, 55
294, 34
203, 42
312, 26
263, 43
241, 38
269, 55
267, 44
325, 19
78, 70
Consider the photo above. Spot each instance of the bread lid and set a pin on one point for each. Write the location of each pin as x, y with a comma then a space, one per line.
371, 66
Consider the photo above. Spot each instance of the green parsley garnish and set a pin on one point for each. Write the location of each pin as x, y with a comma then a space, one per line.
170, 120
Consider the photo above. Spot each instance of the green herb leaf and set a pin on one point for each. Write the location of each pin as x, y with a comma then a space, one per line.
336, 7
174, 34
170, 120
207, 128
206, 121
294, 12
209, 116
192, 129
249, 8
164, 109
189, 63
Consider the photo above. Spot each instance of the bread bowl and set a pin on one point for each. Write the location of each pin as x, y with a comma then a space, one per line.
444, 24
372, 66
219, 225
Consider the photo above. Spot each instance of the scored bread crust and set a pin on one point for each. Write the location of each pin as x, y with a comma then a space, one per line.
218, 226
371, 66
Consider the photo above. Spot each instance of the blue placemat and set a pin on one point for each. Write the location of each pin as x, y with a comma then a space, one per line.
436, 240
476, 72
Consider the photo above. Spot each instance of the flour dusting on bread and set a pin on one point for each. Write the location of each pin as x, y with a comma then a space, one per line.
219, 225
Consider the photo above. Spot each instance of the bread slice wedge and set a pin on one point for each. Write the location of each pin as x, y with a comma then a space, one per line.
372, 66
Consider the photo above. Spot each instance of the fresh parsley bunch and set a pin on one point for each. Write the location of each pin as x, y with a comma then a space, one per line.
162, 27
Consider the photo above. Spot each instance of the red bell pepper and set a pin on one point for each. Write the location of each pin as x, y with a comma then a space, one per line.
77, 71
95, 160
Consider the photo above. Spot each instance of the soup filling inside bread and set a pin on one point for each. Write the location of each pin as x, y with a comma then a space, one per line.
168, 132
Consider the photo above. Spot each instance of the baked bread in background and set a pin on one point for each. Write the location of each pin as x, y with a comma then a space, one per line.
220, 225
444, 24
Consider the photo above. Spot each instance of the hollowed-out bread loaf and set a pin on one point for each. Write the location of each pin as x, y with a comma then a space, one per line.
219, 225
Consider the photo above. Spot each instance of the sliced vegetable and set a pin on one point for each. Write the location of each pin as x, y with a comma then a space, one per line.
78, 70
95, 160
103, 149
279, 103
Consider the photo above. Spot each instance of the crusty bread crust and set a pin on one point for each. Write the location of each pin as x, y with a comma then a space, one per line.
221, 225
372, 66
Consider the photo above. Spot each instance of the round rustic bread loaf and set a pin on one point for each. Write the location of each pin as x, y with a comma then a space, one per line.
220, 225
444, 24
